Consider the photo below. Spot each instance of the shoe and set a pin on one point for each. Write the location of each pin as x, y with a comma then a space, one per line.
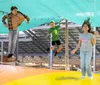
90, 77
55, 53
48, 49
10, 55
11, 58
83, 77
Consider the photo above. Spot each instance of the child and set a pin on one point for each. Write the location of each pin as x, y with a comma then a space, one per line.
55, 37
86, 40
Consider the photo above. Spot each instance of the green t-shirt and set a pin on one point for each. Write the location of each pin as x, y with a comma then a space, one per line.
55, 33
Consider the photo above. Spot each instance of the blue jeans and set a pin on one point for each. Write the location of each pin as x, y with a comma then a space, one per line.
85, 60
13, 36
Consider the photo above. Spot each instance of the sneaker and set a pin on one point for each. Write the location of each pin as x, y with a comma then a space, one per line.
90, 77
11, 59
48, 49
55, 53
83, 77
10, 55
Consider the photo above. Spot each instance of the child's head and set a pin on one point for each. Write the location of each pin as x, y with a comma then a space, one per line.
86, 27
52, 24
14, 10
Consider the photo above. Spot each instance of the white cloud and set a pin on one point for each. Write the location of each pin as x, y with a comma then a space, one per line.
85, 14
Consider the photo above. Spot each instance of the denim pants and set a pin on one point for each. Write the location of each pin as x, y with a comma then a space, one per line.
85, 60
13, 36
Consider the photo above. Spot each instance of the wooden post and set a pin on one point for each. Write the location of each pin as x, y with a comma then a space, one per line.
66, 47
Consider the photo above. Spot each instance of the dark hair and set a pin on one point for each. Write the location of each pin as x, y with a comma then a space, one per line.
87, 22
13, 7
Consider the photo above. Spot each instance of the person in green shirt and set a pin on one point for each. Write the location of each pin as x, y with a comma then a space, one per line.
55, 37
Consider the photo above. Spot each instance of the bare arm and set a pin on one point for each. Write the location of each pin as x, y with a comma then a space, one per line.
59, 25
77, 47
49, 32
93, 40
26, 17
22, 17
48, 35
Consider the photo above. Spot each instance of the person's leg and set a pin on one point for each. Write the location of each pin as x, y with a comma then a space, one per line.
13, 46
82, 63
10, 35
88, 63
59, 47
53, 45
14, 41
